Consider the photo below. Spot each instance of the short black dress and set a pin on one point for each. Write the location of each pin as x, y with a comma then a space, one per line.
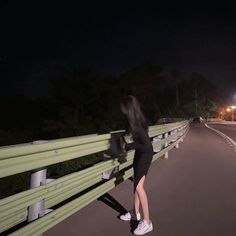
143, 153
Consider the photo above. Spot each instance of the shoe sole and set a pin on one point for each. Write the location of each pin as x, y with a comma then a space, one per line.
123, 219
149, 230
130, 219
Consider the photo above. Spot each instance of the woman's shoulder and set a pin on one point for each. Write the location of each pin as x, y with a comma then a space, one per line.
135, 130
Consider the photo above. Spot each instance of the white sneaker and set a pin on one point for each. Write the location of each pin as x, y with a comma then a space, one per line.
130, 216
143, 227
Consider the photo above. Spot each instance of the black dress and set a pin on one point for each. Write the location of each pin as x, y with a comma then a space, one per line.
143, 153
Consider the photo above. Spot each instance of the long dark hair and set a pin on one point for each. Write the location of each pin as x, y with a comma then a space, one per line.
134, 113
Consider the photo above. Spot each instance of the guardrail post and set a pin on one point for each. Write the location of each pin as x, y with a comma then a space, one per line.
108, 174
37, 209
180, 133
37, 179
157, 139
166, 144
177, 145
173, 133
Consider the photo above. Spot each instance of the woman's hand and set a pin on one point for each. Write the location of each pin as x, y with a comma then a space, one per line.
122, 144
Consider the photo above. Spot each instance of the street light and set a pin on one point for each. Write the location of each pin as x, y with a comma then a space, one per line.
232, 108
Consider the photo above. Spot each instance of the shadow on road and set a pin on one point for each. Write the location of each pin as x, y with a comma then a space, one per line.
114, 204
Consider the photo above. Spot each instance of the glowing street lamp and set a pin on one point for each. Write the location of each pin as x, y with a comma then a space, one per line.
231, 109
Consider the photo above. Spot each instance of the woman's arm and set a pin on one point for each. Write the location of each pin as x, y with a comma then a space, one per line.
142, 141
133, 145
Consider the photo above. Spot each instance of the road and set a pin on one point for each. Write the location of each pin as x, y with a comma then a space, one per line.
228, 128
193, 193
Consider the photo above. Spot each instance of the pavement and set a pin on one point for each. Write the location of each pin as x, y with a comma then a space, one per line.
192, 193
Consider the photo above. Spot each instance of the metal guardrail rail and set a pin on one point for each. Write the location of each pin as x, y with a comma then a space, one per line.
32, 207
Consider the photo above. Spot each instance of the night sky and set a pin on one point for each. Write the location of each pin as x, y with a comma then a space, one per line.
46, 37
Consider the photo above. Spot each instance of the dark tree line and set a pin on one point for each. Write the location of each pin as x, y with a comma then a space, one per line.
82, 102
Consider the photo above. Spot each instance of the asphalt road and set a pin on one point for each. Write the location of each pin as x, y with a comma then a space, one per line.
193, 193
228, 128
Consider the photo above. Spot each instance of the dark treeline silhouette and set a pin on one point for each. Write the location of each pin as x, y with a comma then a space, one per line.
83, 102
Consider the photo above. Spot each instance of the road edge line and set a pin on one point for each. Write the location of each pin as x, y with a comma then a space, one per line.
223, 135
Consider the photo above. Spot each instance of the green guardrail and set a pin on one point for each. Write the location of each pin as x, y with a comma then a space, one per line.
28, 213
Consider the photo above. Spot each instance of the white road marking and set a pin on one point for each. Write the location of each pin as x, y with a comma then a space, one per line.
223, 122
229, 140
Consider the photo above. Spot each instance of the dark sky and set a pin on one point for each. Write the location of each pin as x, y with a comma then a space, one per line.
112, 36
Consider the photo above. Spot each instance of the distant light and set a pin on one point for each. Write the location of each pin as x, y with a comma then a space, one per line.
233, 107
228, 109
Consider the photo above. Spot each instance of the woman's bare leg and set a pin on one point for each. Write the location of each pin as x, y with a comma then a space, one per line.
143, 198
136, 202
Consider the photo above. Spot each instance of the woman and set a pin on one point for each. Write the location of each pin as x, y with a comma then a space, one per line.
138, 127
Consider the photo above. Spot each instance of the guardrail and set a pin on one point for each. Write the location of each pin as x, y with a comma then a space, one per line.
28, 213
